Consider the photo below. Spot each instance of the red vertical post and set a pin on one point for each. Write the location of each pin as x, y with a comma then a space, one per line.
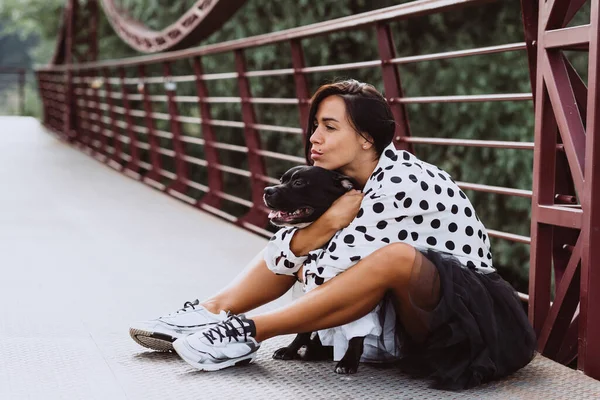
132, 168
39, 76
543, 180
91, 111
153, 177
117, 149
92, 39
589, 333
302, 93
70, 115
544, 172
255, 162
215, 177
100, 114
83, 112
22, 91
529, 13
180, 183
393, 85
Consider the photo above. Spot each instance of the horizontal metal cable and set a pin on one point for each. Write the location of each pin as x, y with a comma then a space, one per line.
468, 142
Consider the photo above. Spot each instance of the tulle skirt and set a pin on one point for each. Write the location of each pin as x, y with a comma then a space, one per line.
477, 332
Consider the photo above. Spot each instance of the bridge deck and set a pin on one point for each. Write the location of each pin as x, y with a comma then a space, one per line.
85, 250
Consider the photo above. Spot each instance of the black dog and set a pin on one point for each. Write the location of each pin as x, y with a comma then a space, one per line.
305, 193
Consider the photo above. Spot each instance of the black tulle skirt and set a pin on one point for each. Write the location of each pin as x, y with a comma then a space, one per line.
478, 331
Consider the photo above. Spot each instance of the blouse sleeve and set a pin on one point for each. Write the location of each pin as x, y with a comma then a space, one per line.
382, 220
278, 255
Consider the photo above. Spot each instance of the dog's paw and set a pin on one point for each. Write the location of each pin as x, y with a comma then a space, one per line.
286, 353
346, 367
317, 352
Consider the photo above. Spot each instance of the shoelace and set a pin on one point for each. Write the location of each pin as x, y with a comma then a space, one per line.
188, 304
226, 329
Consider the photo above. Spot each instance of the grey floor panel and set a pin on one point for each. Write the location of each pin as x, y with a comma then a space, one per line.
54, 368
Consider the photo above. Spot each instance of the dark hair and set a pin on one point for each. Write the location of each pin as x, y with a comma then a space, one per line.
366, 108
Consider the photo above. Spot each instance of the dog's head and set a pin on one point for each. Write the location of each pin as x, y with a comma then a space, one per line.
304, 194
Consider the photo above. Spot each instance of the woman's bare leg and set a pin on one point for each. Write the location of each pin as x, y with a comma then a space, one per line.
352, 294
254, 286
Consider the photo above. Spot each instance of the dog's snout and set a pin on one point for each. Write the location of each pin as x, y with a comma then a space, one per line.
269, 191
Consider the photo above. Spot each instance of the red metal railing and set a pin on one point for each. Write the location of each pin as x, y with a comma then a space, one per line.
10, 76
144, 137
127, 114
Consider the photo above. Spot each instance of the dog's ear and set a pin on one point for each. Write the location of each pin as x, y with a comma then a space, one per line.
346, 182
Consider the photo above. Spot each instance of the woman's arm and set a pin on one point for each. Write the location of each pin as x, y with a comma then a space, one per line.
337, 217
288, 248
313, 237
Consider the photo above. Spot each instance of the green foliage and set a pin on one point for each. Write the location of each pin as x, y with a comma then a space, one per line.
476, 26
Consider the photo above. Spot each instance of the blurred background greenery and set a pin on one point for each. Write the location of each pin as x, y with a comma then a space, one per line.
30, 28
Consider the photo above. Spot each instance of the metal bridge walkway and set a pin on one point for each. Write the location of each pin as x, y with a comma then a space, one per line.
85, 250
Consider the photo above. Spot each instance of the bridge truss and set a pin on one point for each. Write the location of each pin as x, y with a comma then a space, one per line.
109, 109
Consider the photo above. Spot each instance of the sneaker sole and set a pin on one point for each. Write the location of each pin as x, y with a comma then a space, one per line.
152, 340
235, 362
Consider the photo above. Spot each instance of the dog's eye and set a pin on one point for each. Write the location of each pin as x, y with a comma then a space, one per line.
298, 182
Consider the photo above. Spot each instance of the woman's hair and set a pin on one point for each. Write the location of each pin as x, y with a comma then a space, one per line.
367, 111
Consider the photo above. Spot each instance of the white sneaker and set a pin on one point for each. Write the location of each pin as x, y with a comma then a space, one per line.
225, 344
159, 334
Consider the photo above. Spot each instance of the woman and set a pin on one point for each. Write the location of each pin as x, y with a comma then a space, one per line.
421, 241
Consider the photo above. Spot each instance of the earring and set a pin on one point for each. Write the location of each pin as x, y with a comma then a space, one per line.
364, 146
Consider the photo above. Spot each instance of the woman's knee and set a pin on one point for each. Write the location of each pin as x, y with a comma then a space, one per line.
395, 261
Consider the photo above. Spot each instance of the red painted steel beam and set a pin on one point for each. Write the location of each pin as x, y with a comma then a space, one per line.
255, 161
579, 88
131, 167
563, 308
574, 7
301, 85
89, 112
153, 176
568, 38
544, 165
560, 216
215, 177
393, 85
463, 98
22, 91
180, 166
589, 330
553, 13
569, 350
530, 14
567, 115
200, 20
92, 36
69, 118
401, 11
497, 144
116, 144
99, 115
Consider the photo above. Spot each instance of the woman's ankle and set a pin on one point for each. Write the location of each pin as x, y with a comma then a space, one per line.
214, 306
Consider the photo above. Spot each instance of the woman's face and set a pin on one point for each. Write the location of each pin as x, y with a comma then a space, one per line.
335, 143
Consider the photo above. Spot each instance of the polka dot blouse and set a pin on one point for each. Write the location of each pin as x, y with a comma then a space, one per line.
406, 200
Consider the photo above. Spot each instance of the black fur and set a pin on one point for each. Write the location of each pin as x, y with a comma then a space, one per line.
313, 189
310, 188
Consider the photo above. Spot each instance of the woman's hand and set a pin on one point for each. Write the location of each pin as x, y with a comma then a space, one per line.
344, 209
